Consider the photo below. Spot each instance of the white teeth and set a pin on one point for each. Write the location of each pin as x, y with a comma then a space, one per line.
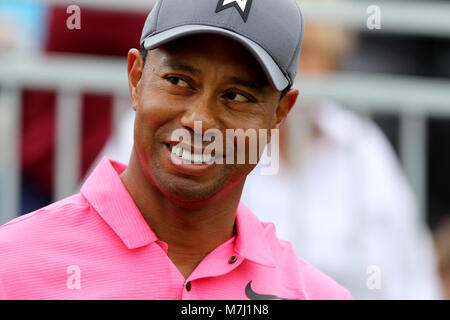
198, 158
177, 150
207, 158
188, 156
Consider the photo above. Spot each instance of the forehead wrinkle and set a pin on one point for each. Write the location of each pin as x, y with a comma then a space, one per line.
257, 84
173, 63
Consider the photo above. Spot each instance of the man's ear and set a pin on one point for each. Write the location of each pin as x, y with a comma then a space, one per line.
284, 107
135, 66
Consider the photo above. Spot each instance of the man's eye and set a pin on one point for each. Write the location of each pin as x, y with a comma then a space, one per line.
178, 82
236, 97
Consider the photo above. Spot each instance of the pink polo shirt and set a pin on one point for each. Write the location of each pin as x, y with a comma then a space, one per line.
97, 245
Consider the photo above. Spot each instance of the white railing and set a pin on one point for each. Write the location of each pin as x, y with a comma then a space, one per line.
69, 76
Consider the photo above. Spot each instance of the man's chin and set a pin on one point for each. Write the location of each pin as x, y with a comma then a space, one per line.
189, 193
189, 199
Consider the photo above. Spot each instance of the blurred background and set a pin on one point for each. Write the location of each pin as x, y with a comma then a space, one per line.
364, 189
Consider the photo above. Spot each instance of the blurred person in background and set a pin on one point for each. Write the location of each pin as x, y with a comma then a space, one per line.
442, 243
7, 34
22, 25
341, 196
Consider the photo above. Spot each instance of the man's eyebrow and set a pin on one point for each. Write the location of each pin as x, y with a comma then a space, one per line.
178, 65
255, 85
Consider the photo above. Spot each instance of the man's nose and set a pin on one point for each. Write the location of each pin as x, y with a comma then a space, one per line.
202, 111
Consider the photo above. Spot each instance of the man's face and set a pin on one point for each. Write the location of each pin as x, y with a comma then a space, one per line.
204, 78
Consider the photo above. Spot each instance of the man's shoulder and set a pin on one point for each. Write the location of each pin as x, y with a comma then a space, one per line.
34, 247
43, 222
314, 284
320, 286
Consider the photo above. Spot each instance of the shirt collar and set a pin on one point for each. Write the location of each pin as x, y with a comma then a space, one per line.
106, 193
108, 196
252, 238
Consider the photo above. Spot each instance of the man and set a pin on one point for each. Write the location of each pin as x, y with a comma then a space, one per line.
170, 225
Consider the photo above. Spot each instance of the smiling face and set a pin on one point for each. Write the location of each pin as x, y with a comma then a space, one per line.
204, 78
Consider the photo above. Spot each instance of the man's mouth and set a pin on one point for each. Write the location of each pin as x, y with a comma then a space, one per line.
196, 157
191, 155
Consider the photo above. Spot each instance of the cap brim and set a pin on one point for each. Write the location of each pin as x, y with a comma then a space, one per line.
270, 67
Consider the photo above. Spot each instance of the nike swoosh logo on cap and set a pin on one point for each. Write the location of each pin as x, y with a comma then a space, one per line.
252, 295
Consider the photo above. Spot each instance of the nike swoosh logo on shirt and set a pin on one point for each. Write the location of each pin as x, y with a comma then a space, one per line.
252, 295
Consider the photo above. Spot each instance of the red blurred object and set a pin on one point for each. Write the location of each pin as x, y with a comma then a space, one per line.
107, 33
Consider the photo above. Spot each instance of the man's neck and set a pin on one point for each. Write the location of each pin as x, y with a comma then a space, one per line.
189, 233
